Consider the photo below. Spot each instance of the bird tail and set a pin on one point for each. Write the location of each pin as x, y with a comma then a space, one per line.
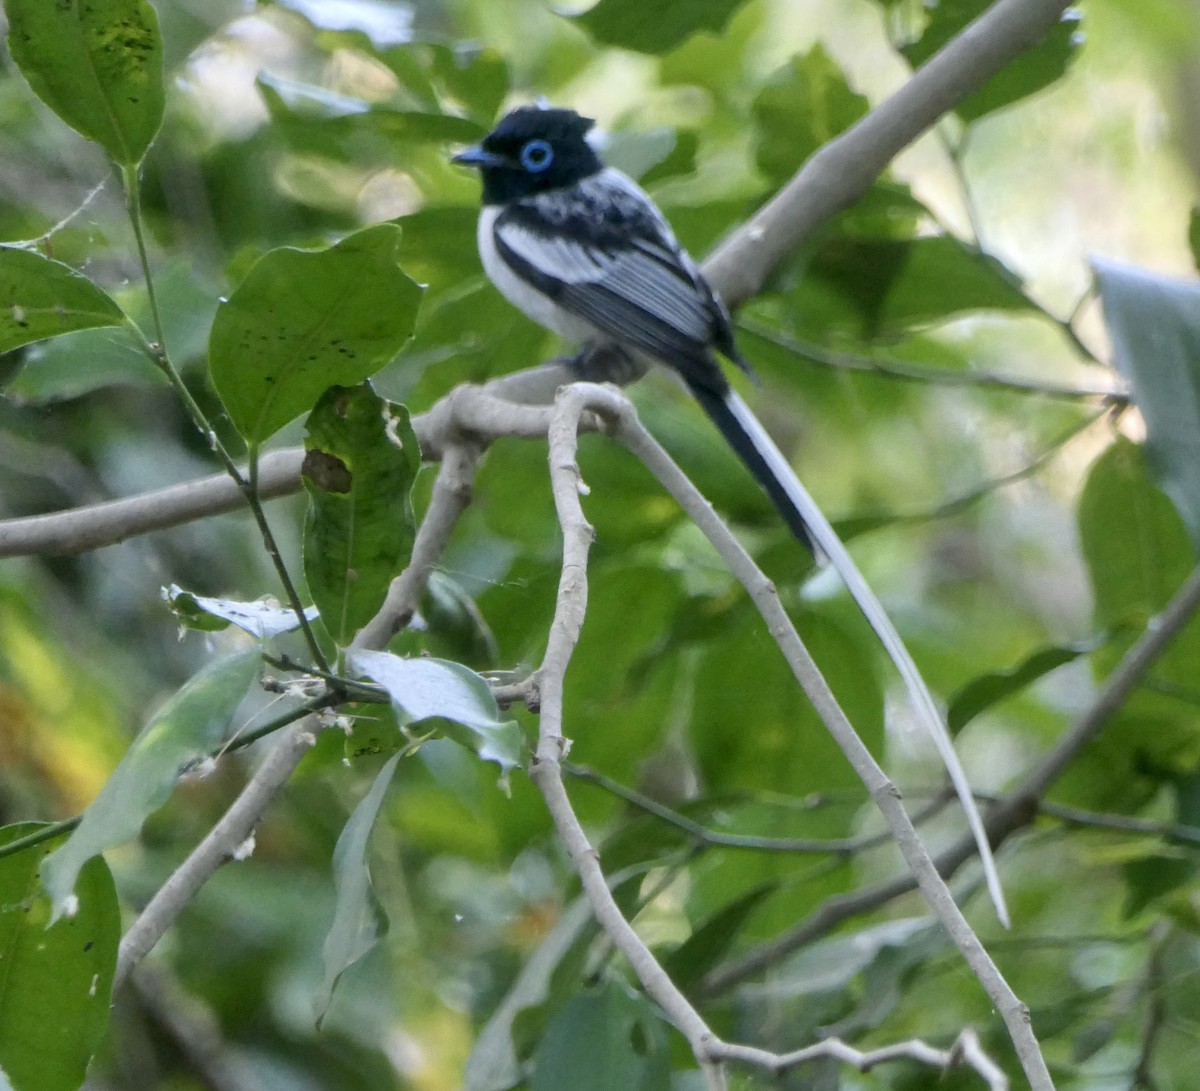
754, 446
762, 458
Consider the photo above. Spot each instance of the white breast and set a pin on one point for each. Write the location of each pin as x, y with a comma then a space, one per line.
527, 299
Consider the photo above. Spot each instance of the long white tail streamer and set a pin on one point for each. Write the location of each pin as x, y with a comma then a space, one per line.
872, 609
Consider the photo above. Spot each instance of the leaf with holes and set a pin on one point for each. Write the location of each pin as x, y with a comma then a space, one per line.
98, 64
259, 619
360, 461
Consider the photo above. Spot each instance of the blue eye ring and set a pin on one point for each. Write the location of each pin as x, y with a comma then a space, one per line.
536, 156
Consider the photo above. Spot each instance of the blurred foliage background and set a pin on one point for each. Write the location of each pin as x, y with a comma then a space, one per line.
1004, 524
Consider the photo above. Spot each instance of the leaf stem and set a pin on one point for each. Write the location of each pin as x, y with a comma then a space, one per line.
248, 484
366, 691
272, 548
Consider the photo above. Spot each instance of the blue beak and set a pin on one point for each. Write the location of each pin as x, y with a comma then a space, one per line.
476, 157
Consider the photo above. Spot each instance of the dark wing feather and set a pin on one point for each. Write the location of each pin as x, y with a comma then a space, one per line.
609, 257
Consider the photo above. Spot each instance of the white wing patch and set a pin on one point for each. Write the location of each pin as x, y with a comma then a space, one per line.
560, 258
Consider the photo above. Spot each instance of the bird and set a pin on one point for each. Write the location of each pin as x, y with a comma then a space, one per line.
584, 251
581, 249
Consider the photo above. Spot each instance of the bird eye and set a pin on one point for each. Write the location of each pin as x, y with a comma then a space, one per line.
536, 156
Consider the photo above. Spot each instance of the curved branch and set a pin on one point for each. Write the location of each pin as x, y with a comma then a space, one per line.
451, 494
762, 592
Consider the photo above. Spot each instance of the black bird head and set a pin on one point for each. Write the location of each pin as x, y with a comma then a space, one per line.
533, 150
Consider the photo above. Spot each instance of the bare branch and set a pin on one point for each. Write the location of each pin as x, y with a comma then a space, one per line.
1015, 1015
81, 529
476, 413
546, 771
965, 1051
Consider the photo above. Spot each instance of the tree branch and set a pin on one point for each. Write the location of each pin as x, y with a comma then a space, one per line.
451, 495
762, 592
840, 172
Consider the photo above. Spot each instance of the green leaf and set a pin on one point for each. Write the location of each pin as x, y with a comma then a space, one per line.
475, 75
1154, 879
638, 153
358, 919
680, 159
98, 64
312, 115
78, 363
302, 321
804, 105
981, 693
260, 619
896, 284
56, 984
1133, 539
360, 462
653, 28
40, 298
1194, 236
423, 689
1030, 71
1154, 323
603, 1040
183, 732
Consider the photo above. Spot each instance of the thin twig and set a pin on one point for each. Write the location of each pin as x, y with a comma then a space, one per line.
842, 846
965, 1051
887, 367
